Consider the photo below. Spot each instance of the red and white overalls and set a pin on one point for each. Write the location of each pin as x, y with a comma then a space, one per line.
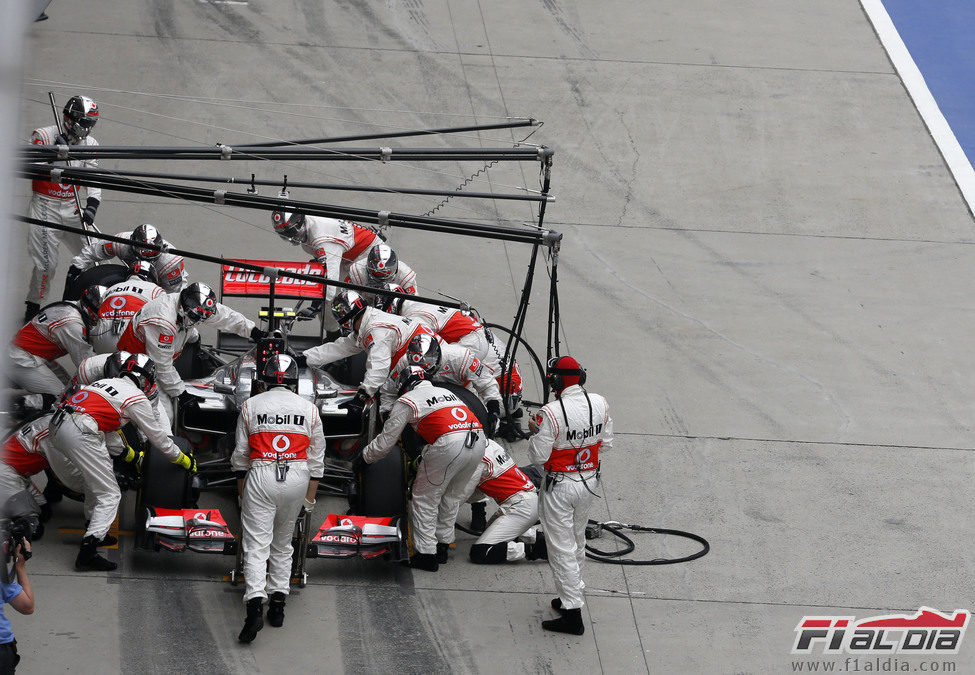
572, 431
281, 446
454, 446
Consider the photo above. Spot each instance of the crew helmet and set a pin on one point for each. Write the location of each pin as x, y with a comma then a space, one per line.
80, 116
197, 302
289, 225
146, 234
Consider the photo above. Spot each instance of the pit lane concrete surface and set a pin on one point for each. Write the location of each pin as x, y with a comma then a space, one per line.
766, 269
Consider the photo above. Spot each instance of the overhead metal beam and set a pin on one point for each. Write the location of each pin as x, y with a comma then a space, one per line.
344, 154
259, 202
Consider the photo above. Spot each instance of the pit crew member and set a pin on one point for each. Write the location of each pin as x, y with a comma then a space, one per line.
382, 266
512, 534
278, 460
454, 445
59, 329
165, 325
170, 274
454, 326
26, 452
568, 435
82, 430
336, 244
121, 303
446, 363
55, 202
383, 336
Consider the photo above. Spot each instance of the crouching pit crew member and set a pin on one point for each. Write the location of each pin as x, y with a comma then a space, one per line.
279, 459
383, 336
454, 444
82, 430
59, 329
568, 434
165, 325
499, 478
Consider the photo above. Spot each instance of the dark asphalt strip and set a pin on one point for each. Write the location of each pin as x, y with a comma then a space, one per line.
381, 630
162, 629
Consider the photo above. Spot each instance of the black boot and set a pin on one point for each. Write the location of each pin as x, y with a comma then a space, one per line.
557, 606
32, 308
275, 609
52, 491
254, 621
88, 559
424, 561
442, 551
478, 517
570, 622
108, 540
538, 550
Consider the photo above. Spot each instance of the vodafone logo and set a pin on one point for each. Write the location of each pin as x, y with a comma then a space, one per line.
584, 457
459, 414
79, 397
281, 443
117, 302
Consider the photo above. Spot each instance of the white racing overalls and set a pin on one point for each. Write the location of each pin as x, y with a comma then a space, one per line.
154, 331
169, 267
82, 430
92, 369
57, 330
53, 202
455, 327
572, 431
383, 336
500, 479
121, 303
458, 365
359, 274
281, 446
454, 446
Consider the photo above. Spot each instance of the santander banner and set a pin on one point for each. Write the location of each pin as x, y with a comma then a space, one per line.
240, 281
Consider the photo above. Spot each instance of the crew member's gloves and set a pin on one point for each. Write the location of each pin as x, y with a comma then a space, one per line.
307, 506
91, 207
493, 418
193, 337
310, 312
188, 462
61, 139
133, 456
73, 274
356, 404
257, 334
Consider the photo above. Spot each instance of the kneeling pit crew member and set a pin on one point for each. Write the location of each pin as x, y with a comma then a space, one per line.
383, 336
278, 461
454, 445
568, 435
512, 534
26, 452
58, 329
82, 429
165, 325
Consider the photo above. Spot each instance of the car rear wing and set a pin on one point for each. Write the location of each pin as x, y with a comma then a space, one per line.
240, 282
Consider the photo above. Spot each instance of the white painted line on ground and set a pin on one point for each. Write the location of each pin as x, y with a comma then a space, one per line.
913, 80
223, 2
